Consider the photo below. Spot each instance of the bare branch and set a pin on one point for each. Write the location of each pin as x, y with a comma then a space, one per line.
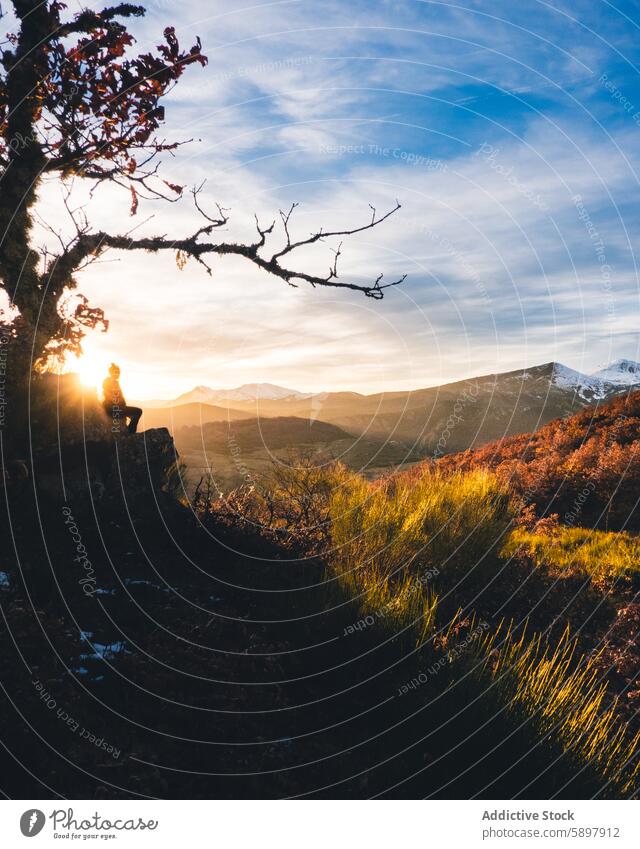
315, 237
285, 221
333, 271
263, 233
213, 223
90, 245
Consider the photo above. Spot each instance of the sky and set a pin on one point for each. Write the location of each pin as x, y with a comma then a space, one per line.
510, 134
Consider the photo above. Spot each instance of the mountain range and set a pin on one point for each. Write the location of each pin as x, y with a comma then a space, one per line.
600, 384
386, 429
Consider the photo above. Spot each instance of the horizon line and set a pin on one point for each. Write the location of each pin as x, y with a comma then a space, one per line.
417, 388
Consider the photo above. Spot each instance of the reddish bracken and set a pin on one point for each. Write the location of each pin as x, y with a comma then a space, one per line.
585, 468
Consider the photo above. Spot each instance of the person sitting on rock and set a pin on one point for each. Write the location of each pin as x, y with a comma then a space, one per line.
115, 405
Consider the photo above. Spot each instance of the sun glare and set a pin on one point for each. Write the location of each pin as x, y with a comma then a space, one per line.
92, 370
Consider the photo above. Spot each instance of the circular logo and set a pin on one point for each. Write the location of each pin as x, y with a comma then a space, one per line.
32, 822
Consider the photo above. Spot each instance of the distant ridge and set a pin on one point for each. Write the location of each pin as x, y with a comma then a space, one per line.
189, 415
443, 419
246, 392
620, 373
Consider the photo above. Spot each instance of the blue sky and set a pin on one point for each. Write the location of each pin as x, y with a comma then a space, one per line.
510, 133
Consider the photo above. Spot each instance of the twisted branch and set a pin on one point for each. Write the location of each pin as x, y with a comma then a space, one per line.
90, 245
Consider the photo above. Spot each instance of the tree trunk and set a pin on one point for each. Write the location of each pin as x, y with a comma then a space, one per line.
18, 263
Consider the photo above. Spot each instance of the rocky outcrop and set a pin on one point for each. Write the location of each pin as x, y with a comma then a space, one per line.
144, 460
76, 452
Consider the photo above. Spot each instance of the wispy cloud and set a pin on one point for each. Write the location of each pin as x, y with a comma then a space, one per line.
485, 119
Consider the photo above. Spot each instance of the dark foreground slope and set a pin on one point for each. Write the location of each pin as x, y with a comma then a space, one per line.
207, 663
147, 650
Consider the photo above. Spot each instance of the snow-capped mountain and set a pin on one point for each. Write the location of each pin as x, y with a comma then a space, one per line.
497, 405
615, 378
569, 387
246, 392
587, 386
621, 372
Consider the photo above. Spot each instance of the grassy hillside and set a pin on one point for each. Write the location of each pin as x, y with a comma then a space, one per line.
444, 569
601, 556
585, 467
313, 633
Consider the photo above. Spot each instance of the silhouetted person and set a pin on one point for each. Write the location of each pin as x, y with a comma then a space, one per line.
115, 405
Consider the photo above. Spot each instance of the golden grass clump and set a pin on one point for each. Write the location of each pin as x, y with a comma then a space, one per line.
565, 700
567, 551
395, 542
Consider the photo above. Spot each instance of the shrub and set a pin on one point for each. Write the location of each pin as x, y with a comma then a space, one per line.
289, 504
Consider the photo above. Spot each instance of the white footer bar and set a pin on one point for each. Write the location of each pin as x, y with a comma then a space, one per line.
319, 824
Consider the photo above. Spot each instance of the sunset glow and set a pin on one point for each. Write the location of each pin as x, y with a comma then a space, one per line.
92, 370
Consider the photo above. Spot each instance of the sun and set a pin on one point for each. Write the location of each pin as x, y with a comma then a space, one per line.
92, 369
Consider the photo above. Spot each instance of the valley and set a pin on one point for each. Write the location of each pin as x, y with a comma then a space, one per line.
235, 434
